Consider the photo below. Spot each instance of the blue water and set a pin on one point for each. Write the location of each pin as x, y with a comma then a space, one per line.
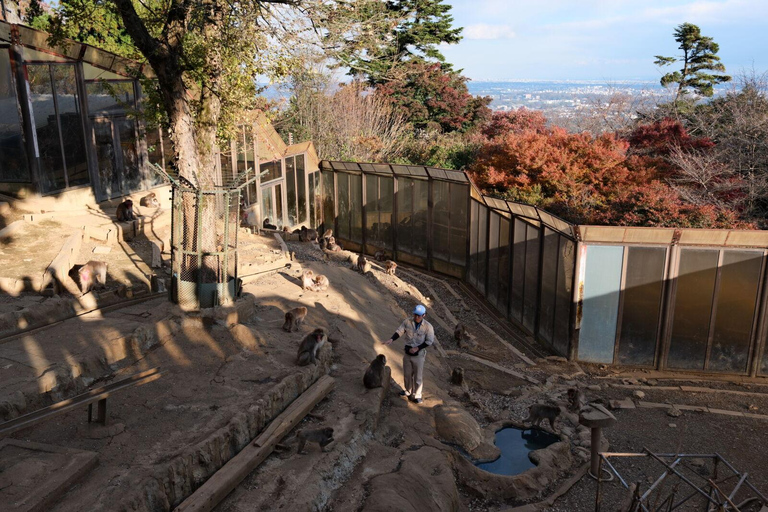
515, 445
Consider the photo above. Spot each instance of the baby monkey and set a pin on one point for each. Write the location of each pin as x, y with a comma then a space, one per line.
92, 273
310, 346
391, 266
321, 283
374, 375
540, 412
294, 319
321, 436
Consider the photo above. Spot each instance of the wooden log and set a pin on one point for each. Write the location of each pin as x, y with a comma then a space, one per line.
216, 488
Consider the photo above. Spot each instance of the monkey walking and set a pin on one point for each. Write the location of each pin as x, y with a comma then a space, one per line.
294, 319
321, 436
310, 346
374, 375
124, 211
92, 273
576, 399
150, 201
540, 412
391, 266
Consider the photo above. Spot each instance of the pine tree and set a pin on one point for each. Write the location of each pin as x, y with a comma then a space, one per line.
699, 60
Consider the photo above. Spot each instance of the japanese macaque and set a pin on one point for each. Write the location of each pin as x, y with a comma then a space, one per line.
294, 319
328, 234
374, 375
390, 267
576, 399
461, 335
92, 273
540, 412
362, 264
124, 211
267, 225
457, 376
310, 346
150, 201
321, 436
307, 235
333, 246
321, 283
380, 256
307, 280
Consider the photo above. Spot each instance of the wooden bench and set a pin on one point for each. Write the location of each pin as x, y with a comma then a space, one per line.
98, 395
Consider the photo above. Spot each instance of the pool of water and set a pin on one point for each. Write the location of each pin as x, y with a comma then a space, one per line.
515, 445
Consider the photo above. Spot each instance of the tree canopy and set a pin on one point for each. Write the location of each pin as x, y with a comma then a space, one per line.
699, 61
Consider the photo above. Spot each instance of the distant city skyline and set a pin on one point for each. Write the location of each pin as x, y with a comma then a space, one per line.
601, 40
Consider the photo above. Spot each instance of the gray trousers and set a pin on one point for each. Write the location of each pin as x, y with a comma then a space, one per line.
413, 373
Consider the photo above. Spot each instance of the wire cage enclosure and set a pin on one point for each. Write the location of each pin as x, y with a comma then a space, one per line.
204, 226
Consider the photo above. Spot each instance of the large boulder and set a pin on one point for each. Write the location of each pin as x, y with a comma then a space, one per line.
424, 482
457, 427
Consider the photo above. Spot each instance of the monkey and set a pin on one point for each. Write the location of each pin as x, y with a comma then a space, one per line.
267, 225
91, 273
321, 436
328, 233
150, 201
310, 346
307, 280
539, 412
576, 399
124, 211
294, 318
374, 375
321, 283
334, 247
380, 256
361, 264
457, 376
460, 332
391, 266
323, 243
310, 235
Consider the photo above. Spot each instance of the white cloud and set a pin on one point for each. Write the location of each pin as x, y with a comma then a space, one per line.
485, 31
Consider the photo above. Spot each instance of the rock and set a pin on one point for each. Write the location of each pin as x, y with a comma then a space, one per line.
557, 359
627, 403
652, 382
638, 394
456, 426
424, 481
674, 412
672, 425
698, 463
752, 407
594, 387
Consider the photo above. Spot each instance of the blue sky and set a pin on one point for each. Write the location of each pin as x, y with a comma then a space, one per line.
599, 39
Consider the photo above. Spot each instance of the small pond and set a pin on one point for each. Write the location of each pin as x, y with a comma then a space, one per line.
515, 445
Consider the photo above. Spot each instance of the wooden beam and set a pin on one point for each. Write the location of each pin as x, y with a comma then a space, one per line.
224, 481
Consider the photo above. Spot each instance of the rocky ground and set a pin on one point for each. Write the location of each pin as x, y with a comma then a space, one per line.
388, 454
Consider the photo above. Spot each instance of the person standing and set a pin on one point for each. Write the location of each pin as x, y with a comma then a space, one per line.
418, 335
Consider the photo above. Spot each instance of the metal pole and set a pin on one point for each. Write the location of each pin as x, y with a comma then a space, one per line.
595, 461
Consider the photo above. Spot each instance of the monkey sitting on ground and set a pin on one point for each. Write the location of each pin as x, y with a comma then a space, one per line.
362, 264
457, 376
539, 412
294, 318
91, 273
576, 399
374, 375
150, 201
391, 266
310, 346
307, 235
321, 283
321, 436
461, 334
124, 211
267, 225
380, 256
307, 280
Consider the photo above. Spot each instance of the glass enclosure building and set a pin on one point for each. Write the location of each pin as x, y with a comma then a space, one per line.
670, 299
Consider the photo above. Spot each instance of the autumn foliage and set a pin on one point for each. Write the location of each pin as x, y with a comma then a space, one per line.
592, 180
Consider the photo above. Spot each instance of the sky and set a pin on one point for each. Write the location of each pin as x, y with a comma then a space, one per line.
605, 40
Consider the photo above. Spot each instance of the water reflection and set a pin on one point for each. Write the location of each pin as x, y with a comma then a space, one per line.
515, 445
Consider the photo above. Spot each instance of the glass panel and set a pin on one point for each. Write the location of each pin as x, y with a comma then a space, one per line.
405, 215
48, 142
441, 221
273, 169
693, 307
386, 202
154, 148
267, 206
109, 98
420, 207
548, 285
565, 264
312, 199
531, 277
342, 182
493, 259
71, 124
302, 187
503, 301
356, 207
242, 154
372, 209
13, 162
474, 207
600, 310
482, 239
642, 303
279, 205
225, 155
93, 73
132, 177
736, 297
109, 178
518, 271
290, 187
329, 218
458, 205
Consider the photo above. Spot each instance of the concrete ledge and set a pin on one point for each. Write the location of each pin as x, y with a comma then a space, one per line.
59, 268
11, 228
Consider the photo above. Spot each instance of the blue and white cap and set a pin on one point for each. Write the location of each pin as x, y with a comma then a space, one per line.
420, 310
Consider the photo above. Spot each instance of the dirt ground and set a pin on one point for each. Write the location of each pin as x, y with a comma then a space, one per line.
386, 456
29, 251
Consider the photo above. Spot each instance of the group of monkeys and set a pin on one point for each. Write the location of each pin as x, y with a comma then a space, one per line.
125, 211
362, 265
